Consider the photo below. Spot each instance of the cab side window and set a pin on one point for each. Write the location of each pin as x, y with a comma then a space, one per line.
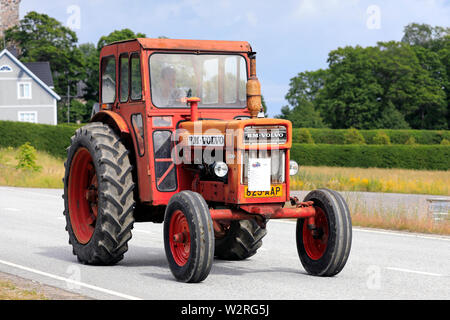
108, 79
136, 81
124, 77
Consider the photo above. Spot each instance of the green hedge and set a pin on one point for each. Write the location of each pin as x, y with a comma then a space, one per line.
337, 136
55, 140
52, 139
434, 157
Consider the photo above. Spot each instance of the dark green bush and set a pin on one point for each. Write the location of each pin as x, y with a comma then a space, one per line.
27, 158
48, 138
411, 141
352, 136
336, 136
304, 136
381, 138
436, 157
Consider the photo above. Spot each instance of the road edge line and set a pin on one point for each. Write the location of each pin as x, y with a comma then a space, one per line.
67, 280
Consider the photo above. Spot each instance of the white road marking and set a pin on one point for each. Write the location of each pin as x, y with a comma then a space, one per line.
11, 209
414, 271
31, 192
403, 234
71, 281
143, 231
386, 232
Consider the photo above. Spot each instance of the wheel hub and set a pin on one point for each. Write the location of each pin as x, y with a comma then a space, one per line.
316, 240
83, 196
180, 242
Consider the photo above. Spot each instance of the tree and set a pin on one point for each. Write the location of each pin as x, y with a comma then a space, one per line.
392, 85
432, 100
444, 55
424, 35
304, 99
118, 35
91, 55
91, 62
352, 96
42, 38
264, 106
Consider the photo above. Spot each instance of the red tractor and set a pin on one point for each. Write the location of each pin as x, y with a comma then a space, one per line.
178, 140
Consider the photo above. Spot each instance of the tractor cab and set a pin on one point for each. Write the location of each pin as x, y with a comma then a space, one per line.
170, 94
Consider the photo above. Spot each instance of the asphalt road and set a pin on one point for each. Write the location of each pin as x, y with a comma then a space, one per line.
382, 264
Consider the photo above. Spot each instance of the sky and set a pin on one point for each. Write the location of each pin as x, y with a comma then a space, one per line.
289, 36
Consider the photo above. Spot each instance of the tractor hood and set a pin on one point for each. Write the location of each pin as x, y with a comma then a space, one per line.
243, 134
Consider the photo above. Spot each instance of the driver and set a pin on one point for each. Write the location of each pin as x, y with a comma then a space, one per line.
168, 94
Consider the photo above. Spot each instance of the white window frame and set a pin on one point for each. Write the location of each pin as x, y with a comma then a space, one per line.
19, 113
18, 90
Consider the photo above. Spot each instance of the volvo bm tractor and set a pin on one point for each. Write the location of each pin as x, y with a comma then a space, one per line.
179, 139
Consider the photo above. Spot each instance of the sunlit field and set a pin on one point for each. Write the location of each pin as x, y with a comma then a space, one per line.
50, 176
373, 180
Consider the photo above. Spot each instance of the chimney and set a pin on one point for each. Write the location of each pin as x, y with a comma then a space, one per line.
9, 14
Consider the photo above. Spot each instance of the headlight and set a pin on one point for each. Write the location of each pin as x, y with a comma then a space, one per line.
220, 169
293, 168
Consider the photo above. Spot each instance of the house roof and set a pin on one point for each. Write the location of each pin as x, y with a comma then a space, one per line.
42, 71
31, 74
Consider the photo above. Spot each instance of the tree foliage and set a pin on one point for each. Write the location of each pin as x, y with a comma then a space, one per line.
302, 97
42, 38
39, 37
397, 85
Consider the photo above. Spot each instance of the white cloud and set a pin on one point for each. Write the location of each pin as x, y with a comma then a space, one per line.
252, 19
312, 8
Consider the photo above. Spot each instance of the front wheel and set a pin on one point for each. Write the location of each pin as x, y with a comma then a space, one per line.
325, 250
188, 237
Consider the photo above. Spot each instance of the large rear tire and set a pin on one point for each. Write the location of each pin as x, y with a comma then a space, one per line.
188, 237
325, 251
242, 240
98, 195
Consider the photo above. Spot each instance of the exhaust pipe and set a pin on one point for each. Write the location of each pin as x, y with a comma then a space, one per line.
253, 89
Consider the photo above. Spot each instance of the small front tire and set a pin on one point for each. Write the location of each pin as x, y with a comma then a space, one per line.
325, 251
188, 237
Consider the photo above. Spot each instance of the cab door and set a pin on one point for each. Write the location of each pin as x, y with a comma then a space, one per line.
131, 105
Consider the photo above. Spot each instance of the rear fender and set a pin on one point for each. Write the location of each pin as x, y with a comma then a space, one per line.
114, 120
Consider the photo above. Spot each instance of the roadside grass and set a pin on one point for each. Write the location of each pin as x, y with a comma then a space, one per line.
9, 291
50, 176
400, 222
400, 218
373, 180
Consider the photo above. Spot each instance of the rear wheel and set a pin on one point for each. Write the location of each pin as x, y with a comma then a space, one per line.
325, 250
242, 240
188, 237
98, 195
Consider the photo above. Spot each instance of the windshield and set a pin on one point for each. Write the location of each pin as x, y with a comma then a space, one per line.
218, 80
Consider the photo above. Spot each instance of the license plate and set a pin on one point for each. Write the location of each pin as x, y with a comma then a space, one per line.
275, 191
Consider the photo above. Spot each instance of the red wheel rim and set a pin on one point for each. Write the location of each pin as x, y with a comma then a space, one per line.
315, 247
179, 238
83, 195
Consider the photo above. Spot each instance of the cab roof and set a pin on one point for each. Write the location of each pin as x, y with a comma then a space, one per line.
185, 44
